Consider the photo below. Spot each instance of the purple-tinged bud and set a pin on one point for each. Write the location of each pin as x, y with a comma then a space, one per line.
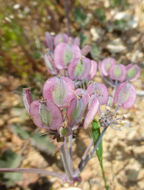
125, 95
59, 38
100, 90
85, 50
133, 72
64, 54
49, 41
93, 70
49, 62
79, 69
77, 108
92, 110
45, 114
27, 98
105, 66
59, 90
118, 72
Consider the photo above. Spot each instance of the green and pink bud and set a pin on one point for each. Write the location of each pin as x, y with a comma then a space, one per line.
45, 114
125, 95
93, 107
64, 54
59, 90
27, 98
59, 38
49, 62
49, 41
106, 65
100, 90
77, 108
132, 72
93, 70
118, 72
79, 69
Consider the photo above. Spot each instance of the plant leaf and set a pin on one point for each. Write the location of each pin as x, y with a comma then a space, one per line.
10, 159
96, 133
43, 144
20, 132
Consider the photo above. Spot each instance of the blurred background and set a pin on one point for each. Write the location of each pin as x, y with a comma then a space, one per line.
113, 28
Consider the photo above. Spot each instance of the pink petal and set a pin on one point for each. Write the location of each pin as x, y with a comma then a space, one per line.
34, 113
105, 65
92, 110
76, 109
100, 90
64, 54
59, 38
118, 72
93, 70
49, 41
133, 72
125, 95
85, 50
49, 62
27, 98
79, 69
59, 90
55, 121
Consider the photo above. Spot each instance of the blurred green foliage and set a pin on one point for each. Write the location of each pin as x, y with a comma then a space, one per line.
10, 159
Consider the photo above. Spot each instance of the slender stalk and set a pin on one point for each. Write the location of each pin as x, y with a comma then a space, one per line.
83, 162
33, 170
87, 150
65, 160
70, 153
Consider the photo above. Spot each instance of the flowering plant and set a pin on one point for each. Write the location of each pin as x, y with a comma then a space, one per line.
71, 99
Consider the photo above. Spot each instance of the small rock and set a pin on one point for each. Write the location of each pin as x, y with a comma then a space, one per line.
116, 46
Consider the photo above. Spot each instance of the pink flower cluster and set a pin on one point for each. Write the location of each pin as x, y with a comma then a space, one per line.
65, 106
65, 55
109, 68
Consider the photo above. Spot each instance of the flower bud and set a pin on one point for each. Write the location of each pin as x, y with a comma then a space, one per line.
100, 90
125, 95
76, 109
93, 70
118, 72
105, 65
46, 115
59, 90
49, 41
49, 62
59, 38
64, 54
92, 110
27, 98
133, 72
79, 69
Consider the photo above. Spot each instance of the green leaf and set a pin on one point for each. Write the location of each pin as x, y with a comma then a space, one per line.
96, 133
43, 143
100, 13
10, 159
94, 51
19, 131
